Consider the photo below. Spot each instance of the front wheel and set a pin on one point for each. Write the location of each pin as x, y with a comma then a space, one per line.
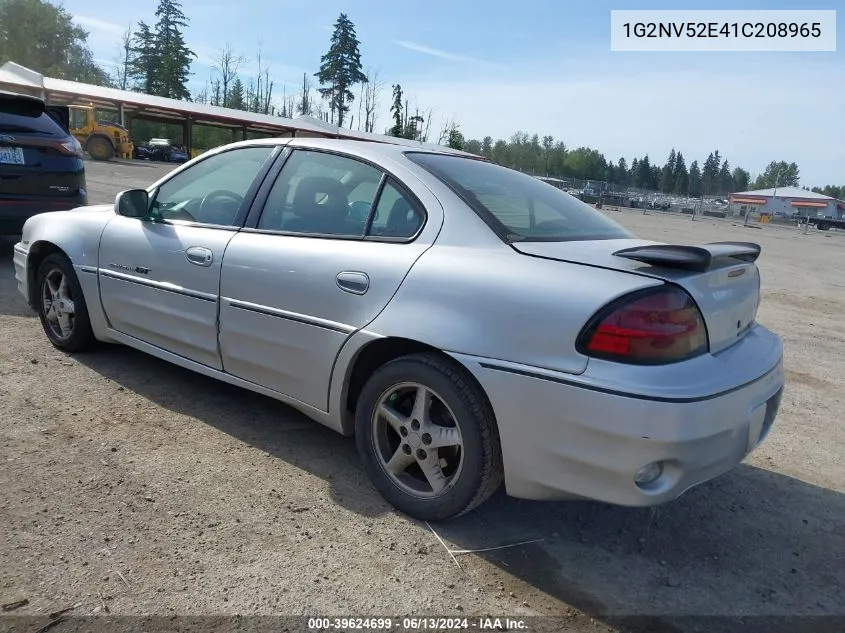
427, 437
61, 305
100, 148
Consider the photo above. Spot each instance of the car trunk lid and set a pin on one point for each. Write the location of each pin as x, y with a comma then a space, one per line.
721, 277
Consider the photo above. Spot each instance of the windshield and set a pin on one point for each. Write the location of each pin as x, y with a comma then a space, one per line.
519, 207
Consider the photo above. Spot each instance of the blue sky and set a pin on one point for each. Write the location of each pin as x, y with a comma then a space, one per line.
541, 66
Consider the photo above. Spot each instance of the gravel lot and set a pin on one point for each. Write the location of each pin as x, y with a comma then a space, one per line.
135, 485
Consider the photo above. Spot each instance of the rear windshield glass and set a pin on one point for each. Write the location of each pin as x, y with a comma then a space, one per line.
519, 207
25, 117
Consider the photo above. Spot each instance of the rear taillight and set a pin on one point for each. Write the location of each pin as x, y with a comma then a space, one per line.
72, 147
657, 326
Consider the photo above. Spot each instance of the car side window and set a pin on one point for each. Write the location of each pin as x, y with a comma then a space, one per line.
395, 215
322, 194
212, 190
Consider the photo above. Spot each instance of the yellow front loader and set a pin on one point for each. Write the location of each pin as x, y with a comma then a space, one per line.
103, 140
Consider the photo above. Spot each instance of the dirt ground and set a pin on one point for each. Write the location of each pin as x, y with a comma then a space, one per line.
133, 486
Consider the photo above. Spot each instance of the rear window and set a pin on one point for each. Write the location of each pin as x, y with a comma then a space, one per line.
519, 207
26, 116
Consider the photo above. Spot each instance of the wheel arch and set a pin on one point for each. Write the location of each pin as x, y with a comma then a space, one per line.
38, 252
375, 353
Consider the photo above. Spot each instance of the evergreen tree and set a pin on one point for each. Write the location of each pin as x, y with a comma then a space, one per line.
622, 172
456, 139
740, 179
340, 69
144, 61
667, 174
642, 178
236, 98
654, 180
680, 177
710, 174
694, 188
726, 181
397, 110
174, 56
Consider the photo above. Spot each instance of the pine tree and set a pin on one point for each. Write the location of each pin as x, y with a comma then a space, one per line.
710, 174
643, 176
397, 110
622, 172
680, 177
174, 56
741, 179
456, 139
145, 60
726, 183
667, 174
340, 69
694, 188
236, 98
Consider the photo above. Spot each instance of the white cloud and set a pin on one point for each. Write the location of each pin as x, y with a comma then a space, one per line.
436, 52
99, 27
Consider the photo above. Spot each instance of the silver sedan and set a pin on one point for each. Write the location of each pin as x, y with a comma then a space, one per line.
469, 324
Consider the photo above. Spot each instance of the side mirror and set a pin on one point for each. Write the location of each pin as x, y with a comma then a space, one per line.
132, 203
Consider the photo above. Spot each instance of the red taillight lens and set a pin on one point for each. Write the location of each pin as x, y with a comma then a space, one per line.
659, 326
71, 146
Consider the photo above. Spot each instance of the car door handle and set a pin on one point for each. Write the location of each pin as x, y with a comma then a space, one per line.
354, 282
199, 255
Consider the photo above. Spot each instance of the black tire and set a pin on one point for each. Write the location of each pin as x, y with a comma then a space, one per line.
81, 337
823, 226
100, 148
481, 472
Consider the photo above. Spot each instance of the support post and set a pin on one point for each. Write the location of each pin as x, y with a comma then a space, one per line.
188, 135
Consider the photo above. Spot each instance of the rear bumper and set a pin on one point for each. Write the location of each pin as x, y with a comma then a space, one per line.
15, 210
563, 440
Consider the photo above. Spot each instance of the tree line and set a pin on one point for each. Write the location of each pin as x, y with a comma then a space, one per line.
155, 59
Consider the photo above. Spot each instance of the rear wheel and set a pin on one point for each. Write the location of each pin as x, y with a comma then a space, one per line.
823, 226
61, 305
100, 148
428, 438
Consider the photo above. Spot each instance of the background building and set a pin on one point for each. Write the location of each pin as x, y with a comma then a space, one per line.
785, 202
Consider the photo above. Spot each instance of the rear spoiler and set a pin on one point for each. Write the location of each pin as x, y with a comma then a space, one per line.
699, 258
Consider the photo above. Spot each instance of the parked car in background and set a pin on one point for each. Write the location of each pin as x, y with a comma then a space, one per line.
41, 166
161, 149
468, 323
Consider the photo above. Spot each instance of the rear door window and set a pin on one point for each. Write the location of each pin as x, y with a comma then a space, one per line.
318, 193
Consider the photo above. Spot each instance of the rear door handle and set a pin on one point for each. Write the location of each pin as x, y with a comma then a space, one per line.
353, 282
199, 255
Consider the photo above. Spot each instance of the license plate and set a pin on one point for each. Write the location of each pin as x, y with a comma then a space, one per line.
11, 155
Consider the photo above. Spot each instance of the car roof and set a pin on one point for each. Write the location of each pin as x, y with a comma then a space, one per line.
361, 148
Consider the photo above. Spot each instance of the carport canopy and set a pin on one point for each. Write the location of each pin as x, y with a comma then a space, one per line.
17, 78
